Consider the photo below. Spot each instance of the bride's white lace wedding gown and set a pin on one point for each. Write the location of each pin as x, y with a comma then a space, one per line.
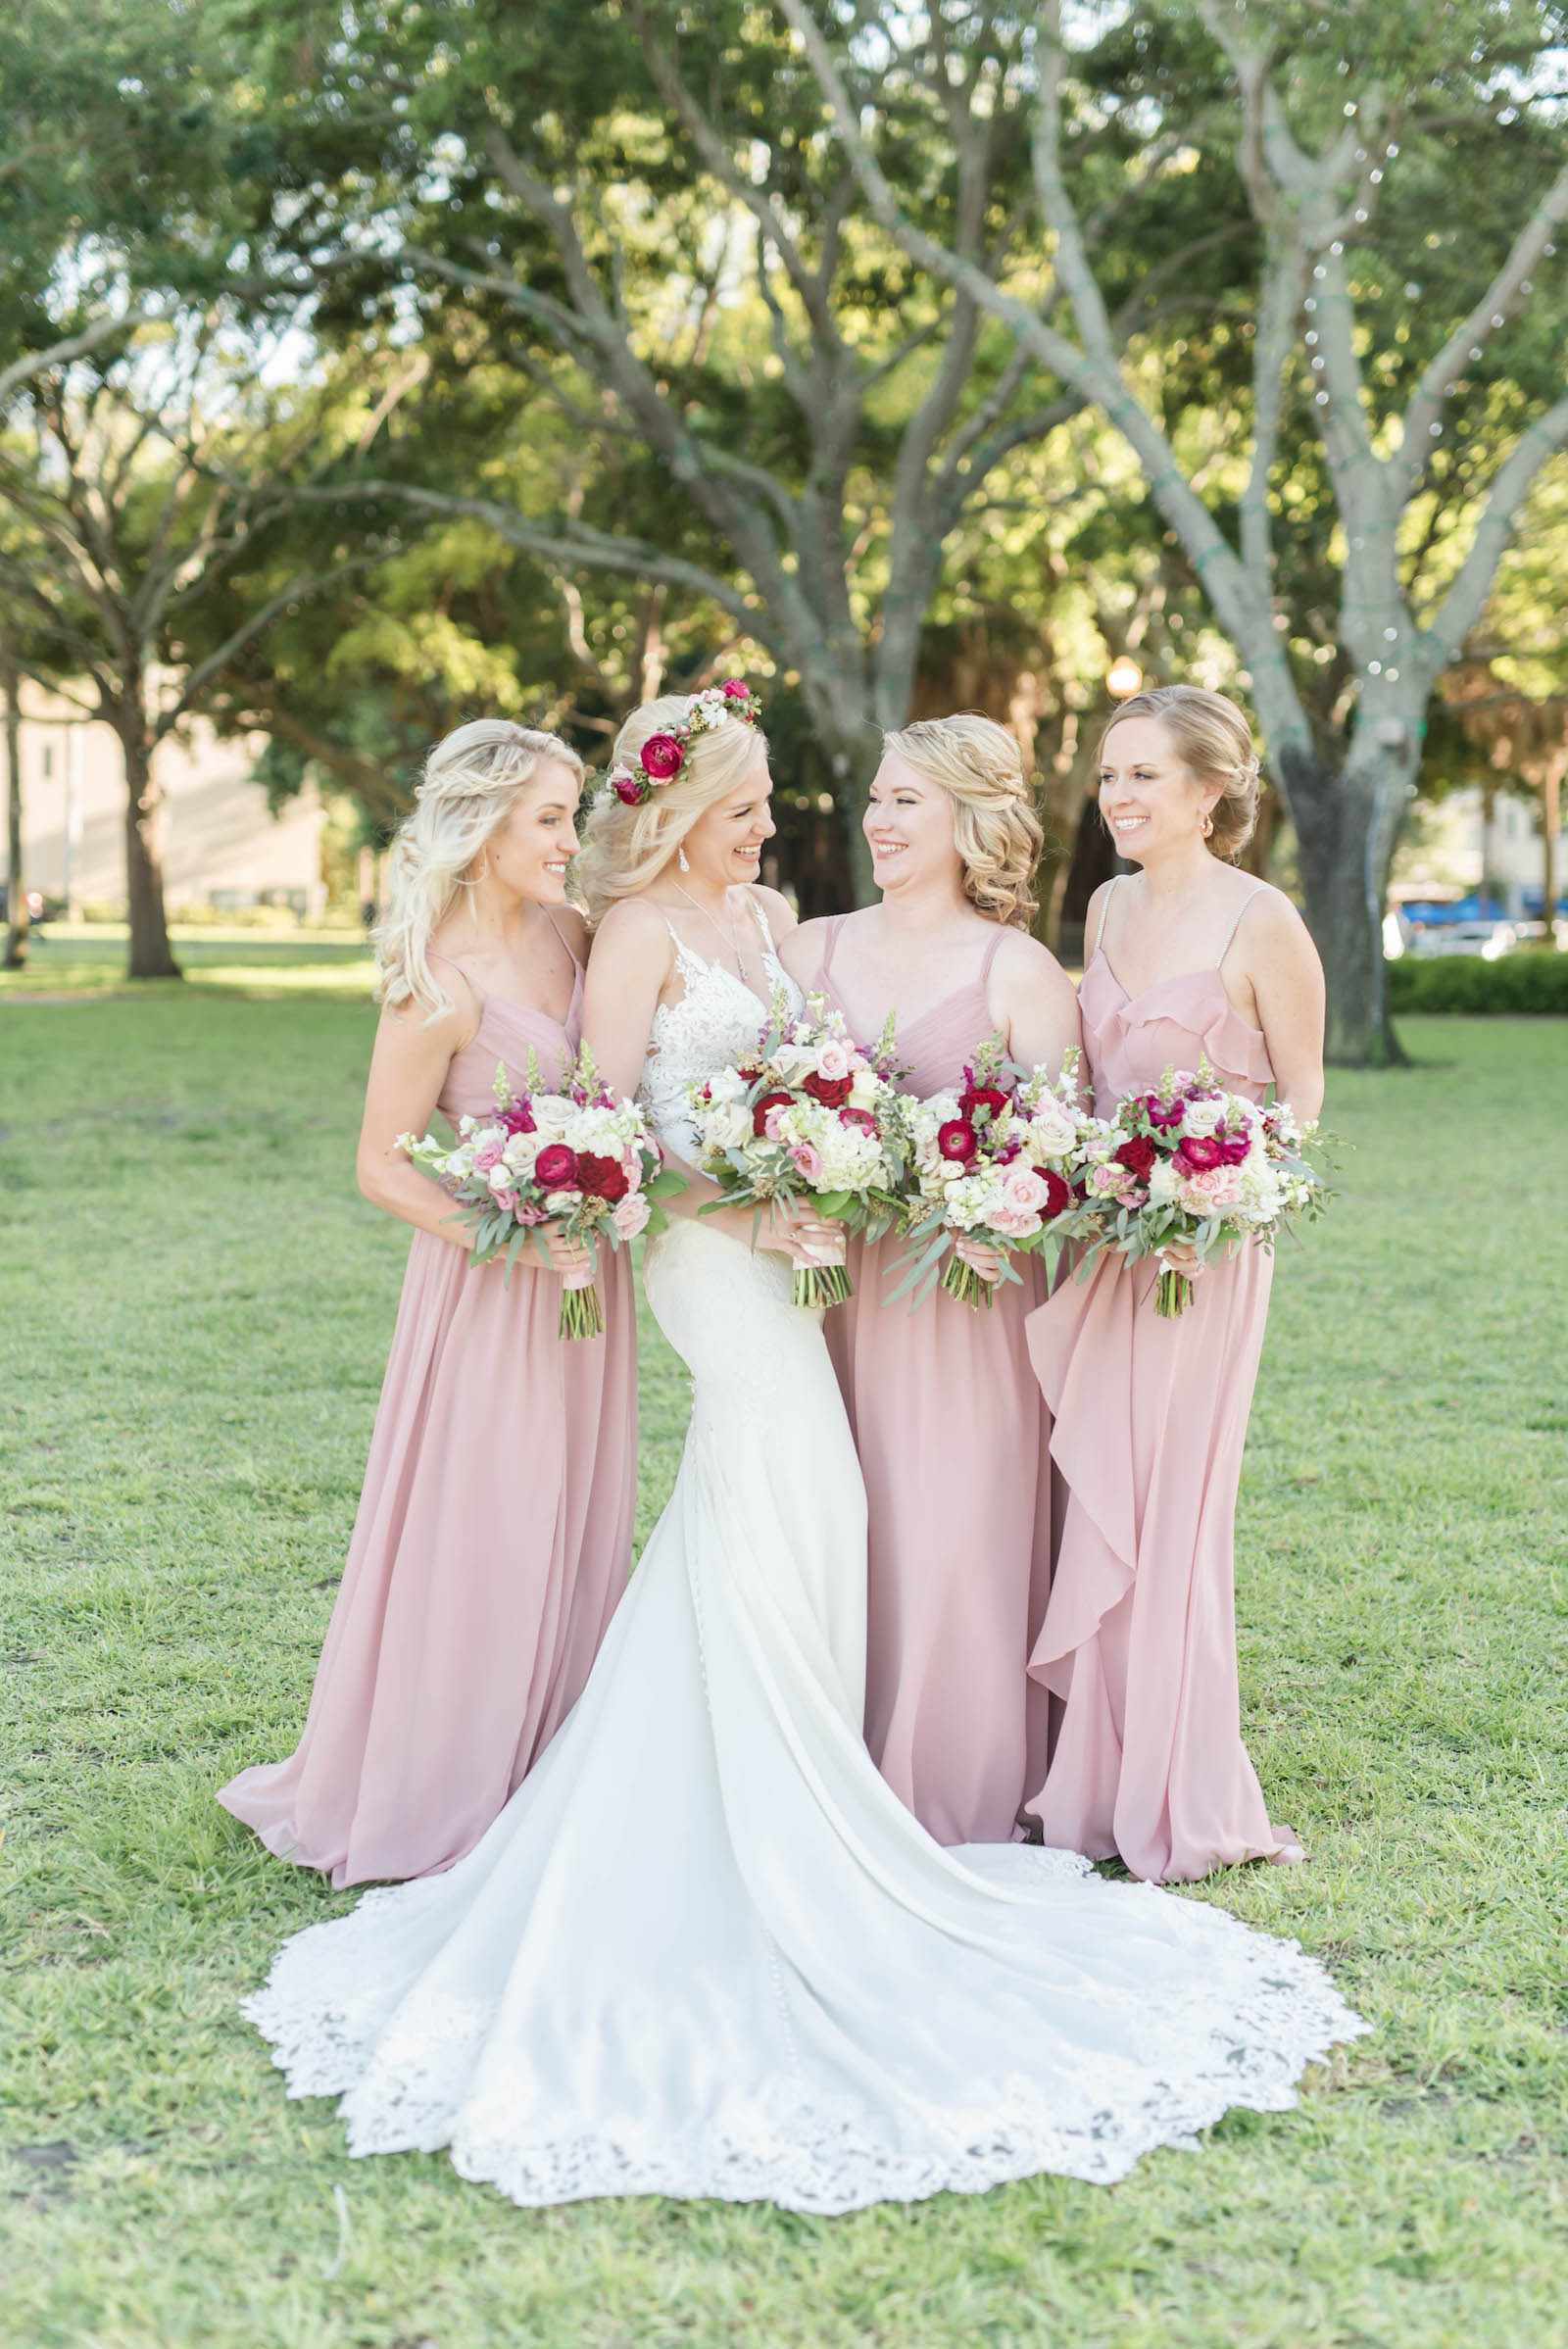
705, 1951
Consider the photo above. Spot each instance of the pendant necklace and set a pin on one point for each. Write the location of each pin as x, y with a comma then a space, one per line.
713, 922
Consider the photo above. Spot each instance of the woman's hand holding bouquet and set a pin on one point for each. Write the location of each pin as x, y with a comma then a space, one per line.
1194, 1169
563, 1169
809, 1119
996, 1166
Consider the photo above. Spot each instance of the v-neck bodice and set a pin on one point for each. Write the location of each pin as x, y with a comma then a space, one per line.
935, 1046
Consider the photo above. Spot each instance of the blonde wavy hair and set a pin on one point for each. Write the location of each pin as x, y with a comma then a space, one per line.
997, 835
472, 780
1213, 741
625, 849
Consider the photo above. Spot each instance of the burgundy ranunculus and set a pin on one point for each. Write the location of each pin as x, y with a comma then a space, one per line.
956, 1139
770, 1100
1137, 1157
1057, 1195
831, 1091
662, 757
1197, 1153
555, 1168
627, 789
983, 1096
601, 1178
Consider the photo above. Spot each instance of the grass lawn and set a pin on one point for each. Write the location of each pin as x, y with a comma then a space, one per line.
194, 1312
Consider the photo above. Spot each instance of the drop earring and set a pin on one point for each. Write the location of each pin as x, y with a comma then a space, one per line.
681, 857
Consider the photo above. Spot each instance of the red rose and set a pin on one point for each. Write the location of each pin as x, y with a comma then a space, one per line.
831, 1091
770, 1100
956, 1139
601, 1178
1057, 1195
1137, 1157
556, 1168
1197, 1153
662, 757
983, 1096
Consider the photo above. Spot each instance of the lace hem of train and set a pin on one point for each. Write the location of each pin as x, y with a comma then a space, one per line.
1236, 2037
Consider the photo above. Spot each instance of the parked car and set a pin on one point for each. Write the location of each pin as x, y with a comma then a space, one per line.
1488, 939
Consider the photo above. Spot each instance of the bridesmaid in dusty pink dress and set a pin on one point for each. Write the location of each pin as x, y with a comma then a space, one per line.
953, 1441
494, 1532
1186, 957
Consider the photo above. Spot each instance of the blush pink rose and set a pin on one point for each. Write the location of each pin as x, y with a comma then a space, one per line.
630, 1214
1210, 1190
809, 1159
488, 1155
1015, 1223
832, 1060
1023, 1191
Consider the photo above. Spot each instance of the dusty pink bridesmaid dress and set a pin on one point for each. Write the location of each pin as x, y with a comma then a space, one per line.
492, 1543
1149, 1421
954, 1445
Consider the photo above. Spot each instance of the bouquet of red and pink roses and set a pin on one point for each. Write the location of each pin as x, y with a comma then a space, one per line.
999, 1162
809, 1114
1193, 1166
574, 1158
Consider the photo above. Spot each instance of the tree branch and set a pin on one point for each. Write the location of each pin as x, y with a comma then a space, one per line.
1463, 605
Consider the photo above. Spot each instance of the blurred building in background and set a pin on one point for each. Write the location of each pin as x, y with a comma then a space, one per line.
1453, 848
223, 847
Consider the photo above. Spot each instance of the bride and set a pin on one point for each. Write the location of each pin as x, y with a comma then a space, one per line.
705, 1950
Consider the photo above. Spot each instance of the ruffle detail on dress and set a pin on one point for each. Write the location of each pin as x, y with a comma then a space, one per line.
1081, 1326
1128, 1050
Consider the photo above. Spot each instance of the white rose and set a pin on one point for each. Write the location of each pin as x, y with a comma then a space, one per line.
1203, 1118
553, 1113
728, 1086
1052, 1130
727, 1125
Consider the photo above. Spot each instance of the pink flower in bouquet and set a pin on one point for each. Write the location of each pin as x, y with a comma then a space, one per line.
662, 757
1013, 1223
860, 1118
1233, 1148
956, 1139
809, 1159
1197, 1154
1023, 1192
507, 1199
487, 1155
766, 1108
556, 1168
833, 1061
1164, 1114
1112, 1182
519, 1119
1210, 1190
630, 1214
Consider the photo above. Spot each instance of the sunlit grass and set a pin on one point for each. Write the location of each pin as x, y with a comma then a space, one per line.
194, 1311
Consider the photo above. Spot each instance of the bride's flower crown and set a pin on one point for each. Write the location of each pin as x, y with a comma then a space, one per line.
662, 756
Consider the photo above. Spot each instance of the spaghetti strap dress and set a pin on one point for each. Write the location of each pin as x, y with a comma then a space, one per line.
1150, 1416
954, 1442
492, 1543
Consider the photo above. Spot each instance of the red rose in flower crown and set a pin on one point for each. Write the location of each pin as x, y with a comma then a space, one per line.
600, 1178
661, 757
556, 1168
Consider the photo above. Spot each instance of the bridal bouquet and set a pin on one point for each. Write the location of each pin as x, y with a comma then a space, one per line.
808, 1113
574, 1158
1001, 1163
1191, 1165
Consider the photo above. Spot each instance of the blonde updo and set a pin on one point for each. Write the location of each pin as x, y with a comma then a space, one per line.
995, 828
1215, 742
473, 778
627, 849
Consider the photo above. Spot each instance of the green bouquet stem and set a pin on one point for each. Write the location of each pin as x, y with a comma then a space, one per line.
962, 1281
1173, 1295
822, 1284
581, 1314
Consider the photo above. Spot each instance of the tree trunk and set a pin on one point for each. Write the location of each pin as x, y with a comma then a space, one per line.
1550, 817
16, 879
853, 743
150, 956
1347, 824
